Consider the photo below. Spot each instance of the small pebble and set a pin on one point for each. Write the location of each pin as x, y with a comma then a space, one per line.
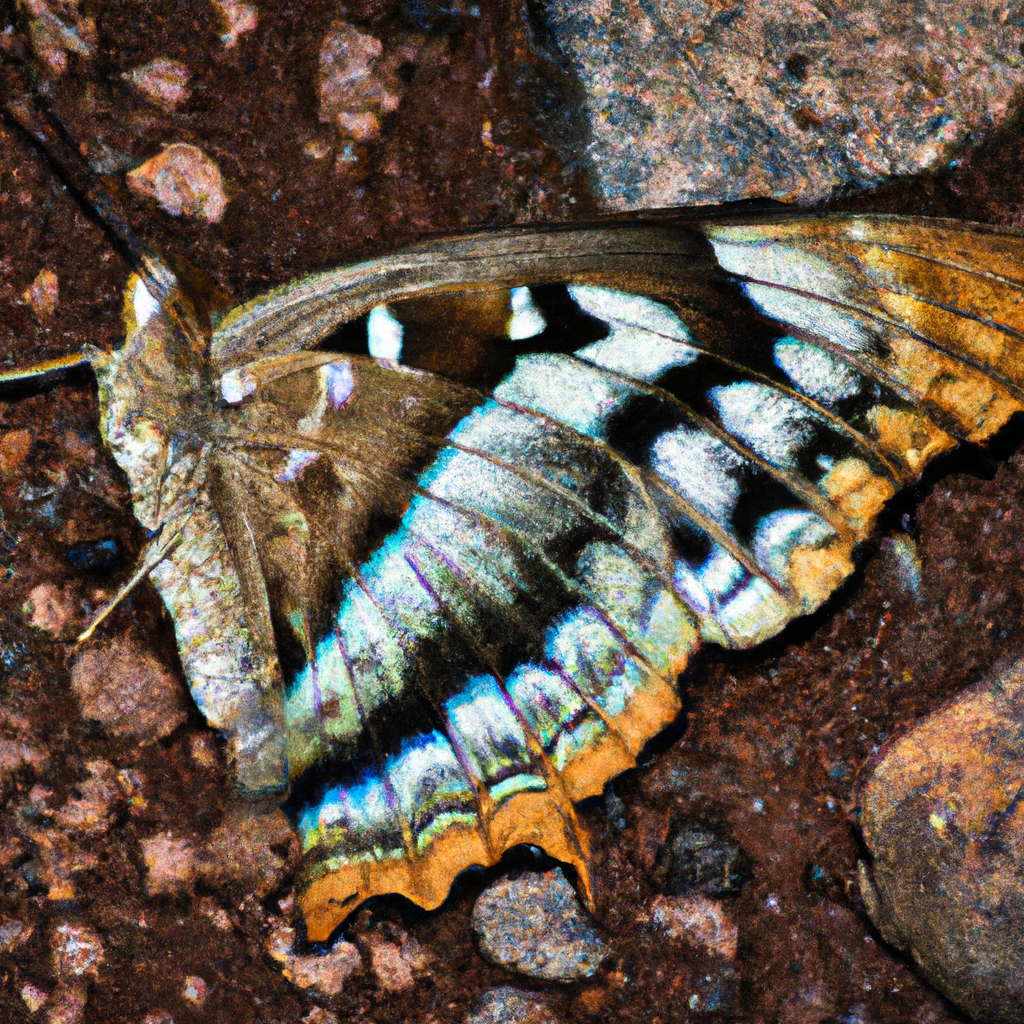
33, 997
318, 1015
163, 82
49, 609
396, 964
68, 1005
325, 974
194, 991
15, 755
534, 925
14, 447
93, 808
507, 1005
158, 1017
358, 83
699, 920
238, 18
13, 933
184, 181
42, 294
253, 848
171, 865
77, 952
128, 691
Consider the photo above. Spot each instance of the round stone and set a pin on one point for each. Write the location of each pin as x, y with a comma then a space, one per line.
943, 821
534, 925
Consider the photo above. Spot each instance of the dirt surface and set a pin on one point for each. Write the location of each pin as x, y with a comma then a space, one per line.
772, 743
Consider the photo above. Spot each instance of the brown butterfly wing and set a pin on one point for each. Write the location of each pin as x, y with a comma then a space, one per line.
482, 601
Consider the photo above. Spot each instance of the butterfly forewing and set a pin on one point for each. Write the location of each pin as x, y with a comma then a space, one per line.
479, 545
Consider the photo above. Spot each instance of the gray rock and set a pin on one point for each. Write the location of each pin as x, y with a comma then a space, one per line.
942, 818
507, 1005
704, 101
534, 925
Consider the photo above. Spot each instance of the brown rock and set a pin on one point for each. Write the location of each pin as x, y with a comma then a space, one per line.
49, 608
194, 991
163, 82
396, 961
91, 810
77, 952
253, 848
171, 865
15, 755
943, 821
14, 446
325, 974
238, 19
42, 294
128, 691
699, 920
33, 997
68, 1006
184, 181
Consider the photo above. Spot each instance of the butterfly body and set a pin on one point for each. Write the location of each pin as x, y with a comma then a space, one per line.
438, 532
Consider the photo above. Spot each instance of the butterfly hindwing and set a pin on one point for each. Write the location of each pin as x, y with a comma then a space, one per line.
488, 536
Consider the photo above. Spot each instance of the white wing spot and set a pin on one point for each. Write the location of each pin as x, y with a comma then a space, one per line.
146, 307
384, 334
527, 321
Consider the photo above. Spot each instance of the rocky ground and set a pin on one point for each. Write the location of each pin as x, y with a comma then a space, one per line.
133, 887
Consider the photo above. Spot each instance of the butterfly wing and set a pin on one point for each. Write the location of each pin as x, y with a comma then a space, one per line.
484, 589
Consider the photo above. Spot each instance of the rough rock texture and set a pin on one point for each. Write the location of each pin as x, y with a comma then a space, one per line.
184, 181
250, 852
706, 101
944, 822
507, 1005
694, 858
128, 691
535, 926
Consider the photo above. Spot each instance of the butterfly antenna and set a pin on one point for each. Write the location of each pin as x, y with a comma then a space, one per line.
151, 558
30, 114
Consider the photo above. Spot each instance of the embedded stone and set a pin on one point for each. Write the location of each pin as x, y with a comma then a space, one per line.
92, 807
184, 181
328, 973
238, 18
397, 961
128, 691
252, 848
701, 921
77, 952
14, 447
194, 991
696, 859
945, 828
163, 82
171, 865
700, 102
42, 294
507, 1005
535, 925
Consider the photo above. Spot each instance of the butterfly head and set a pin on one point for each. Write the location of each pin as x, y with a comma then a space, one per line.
154, 399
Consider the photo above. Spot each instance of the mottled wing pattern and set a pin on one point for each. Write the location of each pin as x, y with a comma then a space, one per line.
526, 567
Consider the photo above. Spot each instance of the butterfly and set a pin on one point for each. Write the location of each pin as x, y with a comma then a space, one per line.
440, 531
